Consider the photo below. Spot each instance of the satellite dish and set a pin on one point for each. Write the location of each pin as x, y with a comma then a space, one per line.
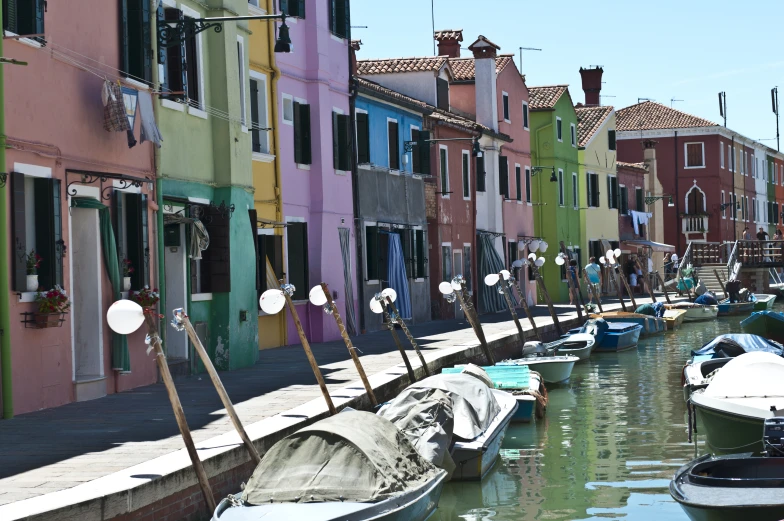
560, 261
317, 296
389, 293
492, 279
125, 317
533, 245
505, 274
272, 301
517, 264
543, 246
532, 256
617, 252
375, 306
602, 260
539, 262
445, 288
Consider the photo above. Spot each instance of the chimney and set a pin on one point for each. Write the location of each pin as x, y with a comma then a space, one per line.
485, 53
355, 45
449, 42
592, 84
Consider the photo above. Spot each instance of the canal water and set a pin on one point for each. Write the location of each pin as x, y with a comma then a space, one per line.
610, 443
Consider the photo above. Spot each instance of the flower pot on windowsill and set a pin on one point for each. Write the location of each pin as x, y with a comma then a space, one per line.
46, 320
126, 283
32, 282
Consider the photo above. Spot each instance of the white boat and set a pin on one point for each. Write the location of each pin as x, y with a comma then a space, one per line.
353, 466
554, 369
764, 302
695, 312
578, 344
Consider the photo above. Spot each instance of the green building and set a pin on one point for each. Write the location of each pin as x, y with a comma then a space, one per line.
204, 170
555, 184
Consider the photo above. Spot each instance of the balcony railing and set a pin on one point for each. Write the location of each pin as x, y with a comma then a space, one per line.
695, 224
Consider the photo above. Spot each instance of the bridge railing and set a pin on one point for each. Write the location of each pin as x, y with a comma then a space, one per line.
760, 254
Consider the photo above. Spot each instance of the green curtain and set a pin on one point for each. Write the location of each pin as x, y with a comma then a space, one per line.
121, 360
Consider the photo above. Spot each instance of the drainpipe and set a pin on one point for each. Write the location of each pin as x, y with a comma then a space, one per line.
5, 291
158, 179
352, 105
270, 6
678, 225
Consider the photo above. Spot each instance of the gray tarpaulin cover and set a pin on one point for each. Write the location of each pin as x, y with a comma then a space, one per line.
352, 456
473, 402
426, 417
736, 344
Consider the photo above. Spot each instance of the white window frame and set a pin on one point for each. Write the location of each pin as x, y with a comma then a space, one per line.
464, 154
561, 188
528, 189
573, 134
559, 138
199, 111
526, 115
445, 189
721, 154
686, 155
261, 79
730, 162
505, 94
389, 156
242, 59
283, 98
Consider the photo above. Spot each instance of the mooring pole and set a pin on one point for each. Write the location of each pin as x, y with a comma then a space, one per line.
408, 334
398, 343
548, 300
474, 321
502, 285
524, 303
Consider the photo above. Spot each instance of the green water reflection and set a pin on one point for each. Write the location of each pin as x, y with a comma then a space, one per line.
611, 441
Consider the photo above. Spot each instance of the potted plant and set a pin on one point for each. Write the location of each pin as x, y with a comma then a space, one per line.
127, 268
33, 263
146, 298
52, 305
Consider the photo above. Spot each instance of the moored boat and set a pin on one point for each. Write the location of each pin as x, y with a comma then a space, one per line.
727, 308
580, 345
650, 325
694, 312
764, 302
611, 337
554, 369
674, 318
734, 405
769, 324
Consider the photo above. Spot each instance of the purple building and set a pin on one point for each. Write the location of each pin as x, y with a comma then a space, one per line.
313, 121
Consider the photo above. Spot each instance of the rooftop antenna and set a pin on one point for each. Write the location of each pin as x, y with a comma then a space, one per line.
774, 96
640, 100
433, 21
673, 100
521, 54
723, 106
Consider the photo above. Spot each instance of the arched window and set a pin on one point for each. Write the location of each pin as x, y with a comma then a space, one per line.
695, 201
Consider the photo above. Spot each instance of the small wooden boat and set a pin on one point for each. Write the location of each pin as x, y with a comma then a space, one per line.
736, 308
764, 302
734, 405
353, 466
579, 344
611, 337
554, 368
769, 324
651, 325
731, 488
694, 312
674, 318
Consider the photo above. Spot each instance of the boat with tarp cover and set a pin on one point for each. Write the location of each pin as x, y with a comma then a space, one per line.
353, 466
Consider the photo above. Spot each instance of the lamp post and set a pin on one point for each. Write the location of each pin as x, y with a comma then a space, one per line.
173, 33
378, 304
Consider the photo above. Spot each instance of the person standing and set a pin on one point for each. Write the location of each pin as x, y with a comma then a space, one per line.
761, 234
667, 265
747, 234
594, 273
572, 274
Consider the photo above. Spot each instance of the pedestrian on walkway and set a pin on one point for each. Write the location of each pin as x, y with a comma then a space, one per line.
572, 273
667, 265
594, 273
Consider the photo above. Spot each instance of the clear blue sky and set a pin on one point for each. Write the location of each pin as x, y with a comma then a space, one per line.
685, 49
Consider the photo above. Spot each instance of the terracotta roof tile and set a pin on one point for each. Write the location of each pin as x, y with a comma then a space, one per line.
392, 65
372, 86
641, 167
589, 119
650, 115
545, 98
463, 68
449, 34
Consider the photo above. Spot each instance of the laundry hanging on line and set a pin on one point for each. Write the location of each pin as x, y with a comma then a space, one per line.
115, 116
639, 218
149, 128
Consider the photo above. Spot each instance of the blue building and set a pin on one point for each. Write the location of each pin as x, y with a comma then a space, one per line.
390, 210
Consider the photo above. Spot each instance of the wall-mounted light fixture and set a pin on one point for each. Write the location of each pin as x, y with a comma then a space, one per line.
652, 199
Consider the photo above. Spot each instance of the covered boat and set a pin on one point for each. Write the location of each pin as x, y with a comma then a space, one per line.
650, 325
769, 324
734, 405
481, 414
694, 312
352, 466
610, 337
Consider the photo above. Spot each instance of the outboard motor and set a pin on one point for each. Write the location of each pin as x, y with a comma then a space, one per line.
773, 435
534, 348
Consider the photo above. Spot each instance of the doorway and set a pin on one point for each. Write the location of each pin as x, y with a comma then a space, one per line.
176, 289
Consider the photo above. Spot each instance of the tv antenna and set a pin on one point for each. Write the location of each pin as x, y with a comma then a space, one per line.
774, 96
521, 54
723, 106
673, 100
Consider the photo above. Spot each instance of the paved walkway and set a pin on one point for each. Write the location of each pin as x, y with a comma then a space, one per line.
56, 449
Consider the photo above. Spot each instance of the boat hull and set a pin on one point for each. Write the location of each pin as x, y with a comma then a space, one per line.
727, 433
698, 314
615, 342
706, 513
768, 325
738, 308
554, 370
764, 302
650, 325
526, 405
674, 318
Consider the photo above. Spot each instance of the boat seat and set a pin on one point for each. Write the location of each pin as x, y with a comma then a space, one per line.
708, 366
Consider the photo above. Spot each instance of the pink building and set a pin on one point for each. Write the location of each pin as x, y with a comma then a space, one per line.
313, 96
58, 156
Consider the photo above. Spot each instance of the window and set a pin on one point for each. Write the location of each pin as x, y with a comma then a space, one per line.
442, 93
612, 192
393, 144
723, 201
511, 252
294, 8
372, 254
24, 17
420, 154
420, 261
297, 256
561, 187
505, 101
467, 265
135, 37
518, 183
480, 174
444, 170
302, 151
363, 139
339, 18
527, 184
612, 145
573, 134
575, 194
639, 199
466, 174
269, 262
730, 158
181, 63
721, 155
341, 141
211, 274
258, 113
525, 115
288, 109
412, 241
36, 224
592, 185
558, 129
695, 157
624, 206
129, 221
755, 209
446, 262
503, 176
241, 64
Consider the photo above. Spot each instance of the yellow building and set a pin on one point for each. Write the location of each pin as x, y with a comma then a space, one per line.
266, 167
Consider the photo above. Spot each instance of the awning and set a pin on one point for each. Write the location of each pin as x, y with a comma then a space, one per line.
655, 246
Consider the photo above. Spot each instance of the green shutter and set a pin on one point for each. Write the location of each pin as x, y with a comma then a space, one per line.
44, 231
284, 7
518, 182
371, 250
503, 176
254, 115
117, 221
145, 243
480, 174
300, 8
363, 138
344, 142
10, 15
298, 259
18, 232
420, 254
124, 36
393, 143
216, 259
466, 175
59, 244
304, 113
38, 16
298, 157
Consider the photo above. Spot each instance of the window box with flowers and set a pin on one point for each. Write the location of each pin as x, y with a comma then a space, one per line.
146, 298
52, 308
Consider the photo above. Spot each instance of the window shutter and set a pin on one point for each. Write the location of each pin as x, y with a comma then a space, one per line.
145, 242
162, 53
442, 93
503, 176
19, 232
117, 223
255, 237
363, 138
215, 263
176, 74
44, 231
466, 175
480, 174
133, 245
371, 250
254, 115
346, 19
424, 152
518, 183
298, 259
335, 140
10, 16
420, 254
304, 113
57, 214
300, 8
394, 149
284, 7
298, 156
146, 30
416, 159
38, 26
344, 132
124, 35
611, 137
